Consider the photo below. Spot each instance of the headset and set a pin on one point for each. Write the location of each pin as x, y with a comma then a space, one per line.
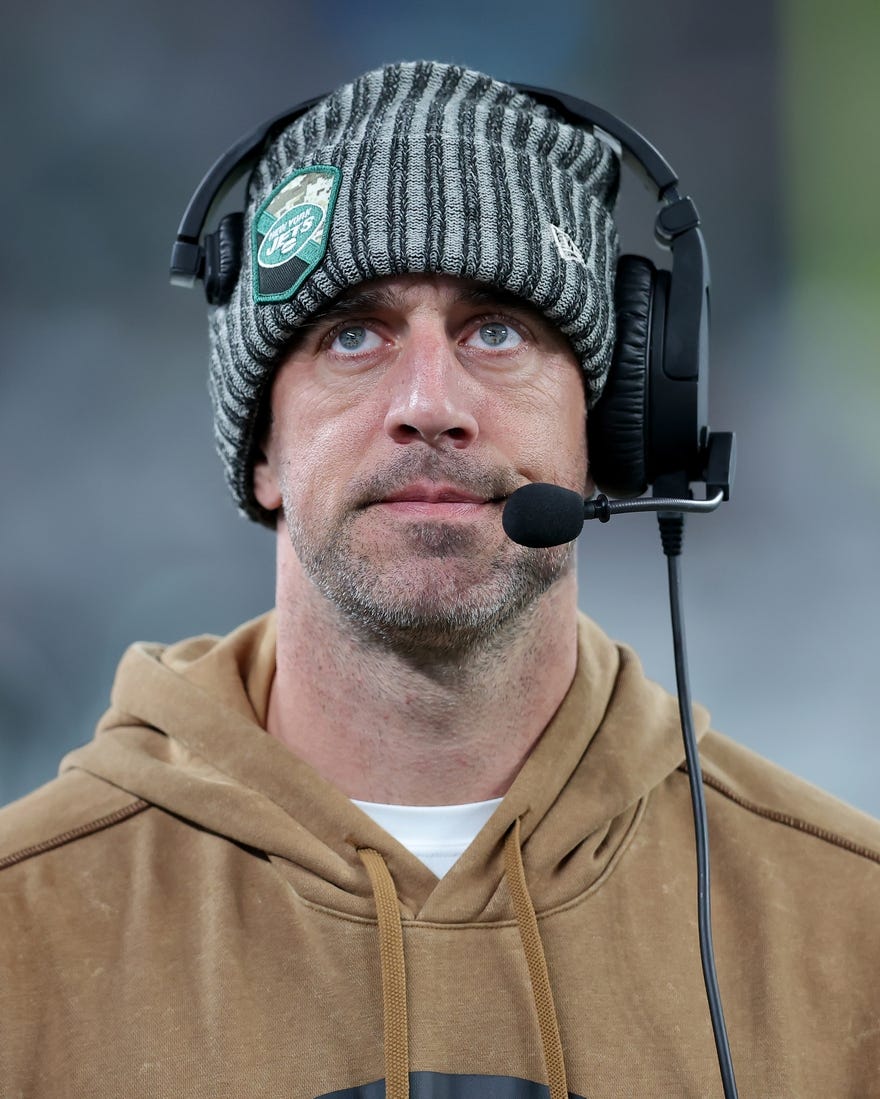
649, 427
651, 420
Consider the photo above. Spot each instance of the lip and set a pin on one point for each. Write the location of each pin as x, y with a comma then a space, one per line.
434, 500
427, 492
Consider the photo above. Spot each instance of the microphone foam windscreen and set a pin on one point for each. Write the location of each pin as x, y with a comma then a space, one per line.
541, 515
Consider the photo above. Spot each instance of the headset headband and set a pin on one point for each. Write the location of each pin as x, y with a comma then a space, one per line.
187, 255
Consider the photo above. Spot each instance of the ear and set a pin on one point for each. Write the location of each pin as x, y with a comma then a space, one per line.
266, 488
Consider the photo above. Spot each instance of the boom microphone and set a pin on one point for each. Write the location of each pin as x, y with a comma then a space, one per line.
541, 515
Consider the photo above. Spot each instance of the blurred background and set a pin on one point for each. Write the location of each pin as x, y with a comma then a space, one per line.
116, 525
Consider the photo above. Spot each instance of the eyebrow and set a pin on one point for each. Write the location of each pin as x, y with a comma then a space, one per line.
378, 298
363, 301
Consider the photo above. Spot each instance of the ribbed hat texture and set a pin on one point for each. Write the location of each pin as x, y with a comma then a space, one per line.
439, 169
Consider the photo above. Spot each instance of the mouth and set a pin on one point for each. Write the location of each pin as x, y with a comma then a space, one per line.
435, 500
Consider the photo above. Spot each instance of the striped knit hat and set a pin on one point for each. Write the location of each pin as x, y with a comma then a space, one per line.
417, 167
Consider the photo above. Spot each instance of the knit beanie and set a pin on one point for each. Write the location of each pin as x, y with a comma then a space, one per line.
417, 167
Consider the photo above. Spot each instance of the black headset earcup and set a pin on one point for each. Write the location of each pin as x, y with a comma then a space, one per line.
617, 427
223, 258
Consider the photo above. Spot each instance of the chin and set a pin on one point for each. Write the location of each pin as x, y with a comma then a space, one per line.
438, 607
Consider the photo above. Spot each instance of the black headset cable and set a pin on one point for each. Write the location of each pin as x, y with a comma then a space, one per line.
672, 536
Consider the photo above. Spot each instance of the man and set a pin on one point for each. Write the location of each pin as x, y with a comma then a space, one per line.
423, 830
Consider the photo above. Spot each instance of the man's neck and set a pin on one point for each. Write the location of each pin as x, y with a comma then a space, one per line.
384, 727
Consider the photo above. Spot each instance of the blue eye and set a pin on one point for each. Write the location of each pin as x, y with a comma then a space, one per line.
353, 338
498, 334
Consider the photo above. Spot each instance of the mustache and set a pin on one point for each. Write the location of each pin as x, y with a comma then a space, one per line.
480, 478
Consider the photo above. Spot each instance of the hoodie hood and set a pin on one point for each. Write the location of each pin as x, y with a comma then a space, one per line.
185, 733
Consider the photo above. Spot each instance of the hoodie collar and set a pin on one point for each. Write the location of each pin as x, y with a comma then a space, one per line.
185, 732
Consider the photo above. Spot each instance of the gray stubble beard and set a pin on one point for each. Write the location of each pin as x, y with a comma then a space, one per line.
429, 627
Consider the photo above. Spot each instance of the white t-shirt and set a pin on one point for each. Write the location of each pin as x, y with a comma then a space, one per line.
436, 834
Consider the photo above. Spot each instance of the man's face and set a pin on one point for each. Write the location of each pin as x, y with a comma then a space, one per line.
401, 422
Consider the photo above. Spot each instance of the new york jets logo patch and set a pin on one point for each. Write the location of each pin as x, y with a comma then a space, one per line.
291, 230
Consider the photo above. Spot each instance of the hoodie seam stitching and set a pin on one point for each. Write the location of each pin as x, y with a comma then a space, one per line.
97, 825
789, 820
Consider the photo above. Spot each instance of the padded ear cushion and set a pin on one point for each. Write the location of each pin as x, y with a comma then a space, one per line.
223, 258
617, 427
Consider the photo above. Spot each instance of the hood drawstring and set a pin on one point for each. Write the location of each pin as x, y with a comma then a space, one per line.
527, 922
394, 972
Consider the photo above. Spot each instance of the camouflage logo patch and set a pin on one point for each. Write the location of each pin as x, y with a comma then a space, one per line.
290, 231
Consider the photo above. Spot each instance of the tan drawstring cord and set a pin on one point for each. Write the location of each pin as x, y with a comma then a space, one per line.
527, 922
393, 974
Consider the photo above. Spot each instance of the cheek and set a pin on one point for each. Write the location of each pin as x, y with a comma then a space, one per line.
572, 416
317, 454
552, 427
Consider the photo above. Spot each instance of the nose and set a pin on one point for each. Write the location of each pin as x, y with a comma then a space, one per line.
431, 397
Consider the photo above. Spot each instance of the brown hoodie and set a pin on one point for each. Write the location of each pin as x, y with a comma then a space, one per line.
190, 910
